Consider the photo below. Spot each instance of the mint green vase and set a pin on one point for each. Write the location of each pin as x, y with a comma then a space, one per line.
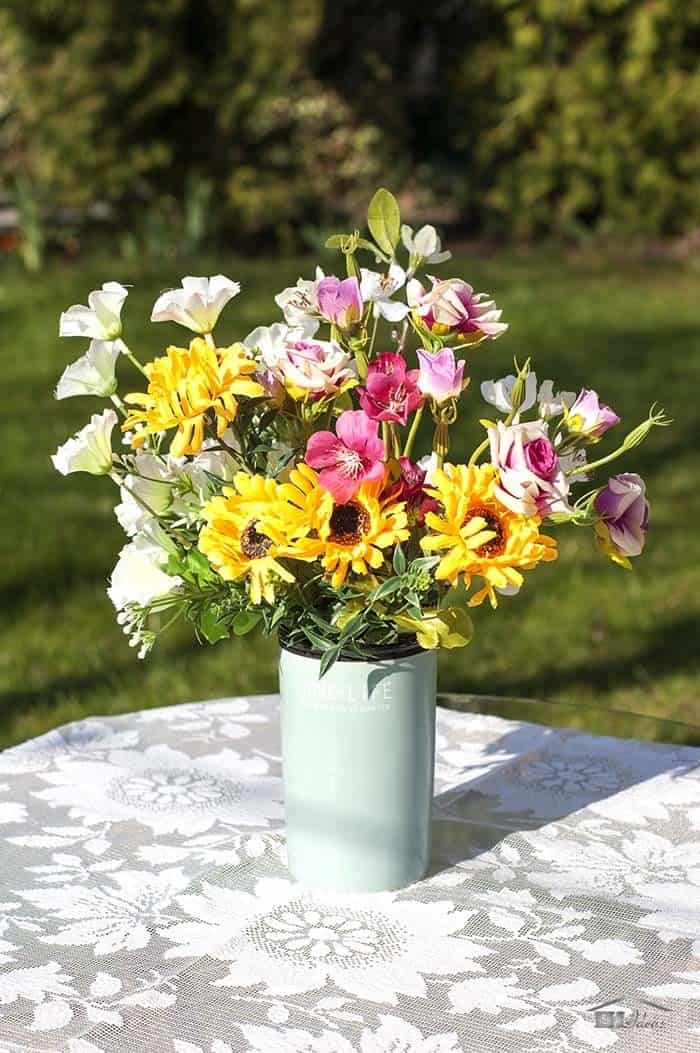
358, 748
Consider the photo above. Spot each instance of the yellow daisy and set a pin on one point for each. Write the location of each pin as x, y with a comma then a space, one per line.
187, 384
349, 536
477, 536
246, 531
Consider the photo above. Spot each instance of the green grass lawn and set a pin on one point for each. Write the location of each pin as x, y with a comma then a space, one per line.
582, 631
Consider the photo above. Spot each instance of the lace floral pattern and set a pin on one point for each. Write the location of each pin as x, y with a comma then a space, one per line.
145, 903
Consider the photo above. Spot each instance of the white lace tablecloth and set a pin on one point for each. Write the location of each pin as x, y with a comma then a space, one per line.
146, 906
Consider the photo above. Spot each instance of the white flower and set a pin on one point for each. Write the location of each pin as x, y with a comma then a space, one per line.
101, 319
499, 393
378, 289
198, 304
270, 341
531, 480
166, 790
376, 947
137, 577
90, 450
299, 303
551, 405
429, 464
119, 915
146, 492
303, 366
207, 462
424, 245
93, 373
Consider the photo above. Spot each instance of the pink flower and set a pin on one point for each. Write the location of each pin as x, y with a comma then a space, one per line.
354, 455
440, 376
307, 369
624, 510
339, 301
391, 390
589, 416
409, 488
452, 306
531, 478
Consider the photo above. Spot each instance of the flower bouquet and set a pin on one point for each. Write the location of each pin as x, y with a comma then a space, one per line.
279, 483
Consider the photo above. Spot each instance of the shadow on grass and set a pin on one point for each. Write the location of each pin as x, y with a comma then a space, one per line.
671, 649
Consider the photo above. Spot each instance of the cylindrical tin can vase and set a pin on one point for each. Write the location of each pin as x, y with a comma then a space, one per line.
358, 748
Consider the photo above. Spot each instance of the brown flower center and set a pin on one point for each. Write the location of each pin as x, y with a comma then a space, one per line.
348, 523
254, 545
493, 522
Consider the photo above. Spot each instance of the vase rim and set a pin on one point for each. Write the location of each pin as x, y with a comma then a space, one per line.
379, 653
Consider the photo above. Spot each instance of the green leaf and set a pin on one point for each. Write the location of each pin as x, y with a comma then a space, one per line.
384, 220
386, 589
336, 241
245, 621
211, 628
198, 564
399, 560
329, 657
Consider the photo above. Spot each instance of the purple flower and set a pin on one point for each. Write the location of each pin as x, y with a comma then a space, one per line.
624, 512
391, 390
589, 416
531, 479
541, 457
339, 301
440, 376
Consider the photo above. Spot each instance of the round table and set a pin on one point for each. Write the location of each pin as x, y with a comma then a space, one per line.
146, 906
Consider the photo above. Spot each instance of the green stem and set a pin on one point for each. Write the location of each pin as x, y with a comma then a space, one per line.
637, 435
386, 439
119, 404
373, 336
478, 452
133, 359
413, 431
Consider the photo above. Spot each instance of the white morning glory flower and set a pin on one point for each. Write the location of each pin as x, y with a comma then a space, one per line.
551, 405
424, 243
138, 576
101, 319
146, 492
91, 449
272, 340
499, 393
93, 373
299, 303
198, 304
377, 289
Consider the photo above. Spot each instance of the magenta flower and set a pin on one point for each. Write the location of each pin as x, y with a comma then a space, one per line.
339, 301
589, 416
624, 510
409, 488
354, 455
452, 306
391, 390
440, 376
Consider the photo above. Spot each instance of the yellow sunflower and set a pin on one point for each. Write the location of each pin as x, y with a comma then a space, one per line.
184, 385
246, 531
477, 536
349, 536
